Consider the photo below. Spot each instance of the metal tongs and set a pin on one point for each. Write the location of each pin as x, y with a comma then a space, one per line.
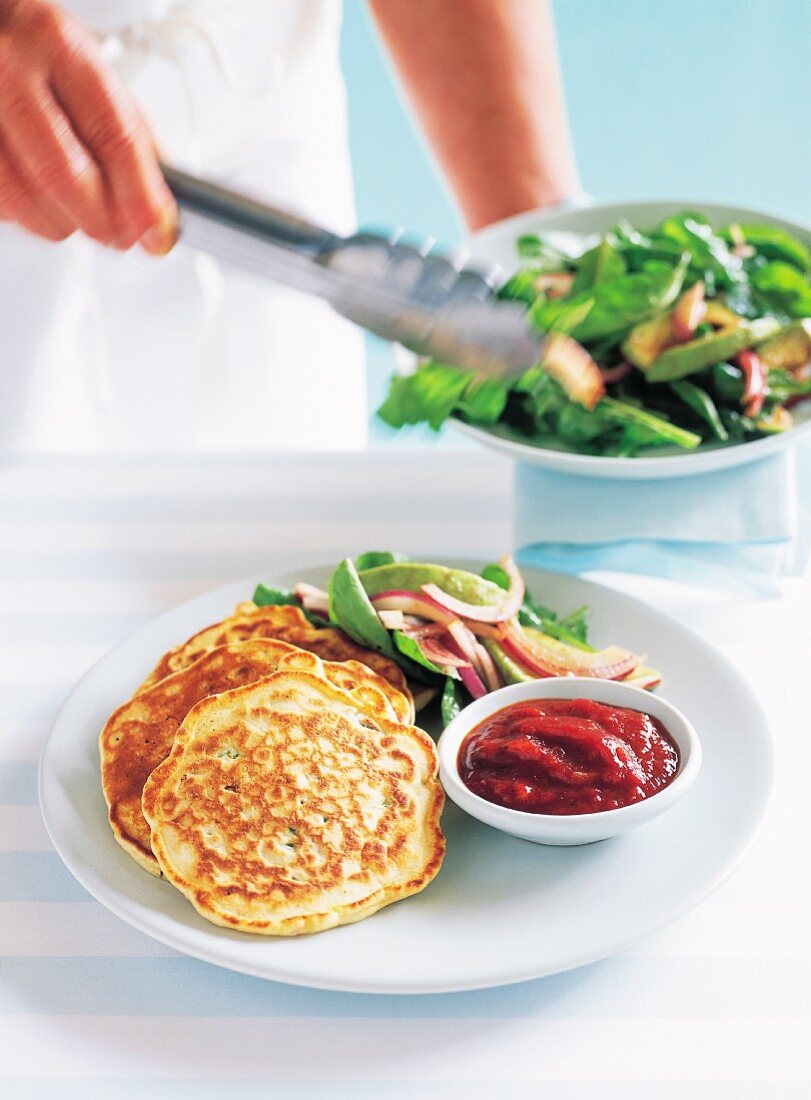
432, 304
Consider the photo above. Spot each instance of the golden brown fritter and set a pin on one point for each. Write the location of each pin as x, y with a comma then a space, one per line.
286, 623
285, 808
139, 735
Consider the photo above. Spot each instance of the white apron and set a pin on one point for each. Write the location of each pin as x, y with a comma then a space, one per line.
130, 352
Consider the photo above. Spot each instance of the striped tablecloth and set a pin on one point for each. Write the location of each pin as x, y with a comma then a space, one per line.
714, 1006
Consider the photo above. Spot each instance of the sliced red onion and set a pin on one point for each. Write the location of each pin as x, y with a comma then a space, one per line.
412, 603
309, 591
574, 369
484, 630
441, 655
616, 374
470, 678
486, 613
461, 639
518, 652
754, 373
317, 606
492, 677
424, 630
553, 658
392, 620
312, 598
689, 312
647, 679
477, 655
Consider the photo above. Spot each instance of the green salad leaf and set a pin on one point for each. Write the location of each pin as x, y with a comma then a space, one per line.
265, 595
624, 412
483, 400
614, 306
600, 264
372, 558
572, 629
521, 287
544, 255
496, 574
772, 243
429, 395
451, 703
436, 390
702, 404
410, 648
352, 610
710, 256
784, 287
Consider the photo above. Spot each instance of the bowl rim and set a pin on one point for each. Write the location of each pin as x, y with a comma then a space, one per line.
515, 222
686, 738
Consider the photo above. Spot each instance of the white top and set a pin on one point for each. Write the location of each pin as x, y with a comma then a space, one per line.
109, 352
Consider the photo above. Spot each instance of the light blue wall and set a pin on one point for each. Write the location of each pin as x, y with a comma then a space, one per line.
395, 181
684, 98
708, 98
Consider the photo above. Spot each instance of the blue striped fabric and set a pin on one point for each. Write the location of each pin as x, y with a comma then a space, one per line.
37, 876
188, 988
88, 1088
18, 783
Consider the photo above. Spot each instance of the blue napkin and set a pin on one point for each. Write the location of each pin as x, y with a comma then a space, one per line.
736, 529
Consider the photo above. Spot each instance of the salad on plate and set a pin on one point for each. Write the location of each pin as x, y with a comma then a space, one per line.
457, 634
681, 336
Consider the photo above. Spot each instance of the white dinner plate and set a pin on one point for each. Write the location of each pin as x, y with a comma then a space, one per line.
501, 910
496, 243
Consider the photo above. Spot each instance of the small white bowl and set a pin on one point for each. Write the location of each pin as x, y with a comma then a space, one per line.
562, 829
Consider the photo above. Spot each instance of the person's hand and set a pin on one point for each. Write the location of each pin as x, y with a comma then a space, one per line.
74, 150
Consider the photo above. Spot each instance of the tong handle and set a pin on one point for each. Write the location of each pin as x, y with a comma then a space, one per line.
208, 200
429, 303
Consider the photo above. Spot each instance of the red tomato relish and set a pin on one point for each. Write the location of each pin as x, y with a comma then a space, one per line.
567, 756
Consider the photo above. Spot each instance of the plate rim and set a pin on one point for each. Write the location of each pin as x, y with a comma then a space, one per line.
645, 468
572, 961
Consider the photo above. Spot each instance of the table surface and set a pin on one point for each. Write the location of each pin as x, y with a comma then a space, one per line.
716, 1005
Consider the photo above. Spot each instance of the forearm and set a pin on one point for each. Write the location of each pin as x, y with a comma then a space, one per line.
483, 78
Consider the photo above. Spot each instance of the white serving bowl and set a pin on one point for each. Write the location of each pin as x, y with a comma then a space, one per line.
567, 829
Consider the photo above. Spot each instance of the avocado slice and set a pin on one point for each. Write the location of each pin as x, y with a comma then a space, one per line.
695, 355
512, 672
646, 341
790, 349
780, 420
412, 576
722, 316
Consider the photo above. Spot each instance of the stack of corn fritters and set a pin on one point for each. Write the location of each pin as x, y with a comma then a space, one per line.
268, 769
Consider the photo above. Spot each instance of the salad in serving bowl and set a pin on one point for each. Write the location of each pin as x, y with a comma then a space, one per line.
700, 327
